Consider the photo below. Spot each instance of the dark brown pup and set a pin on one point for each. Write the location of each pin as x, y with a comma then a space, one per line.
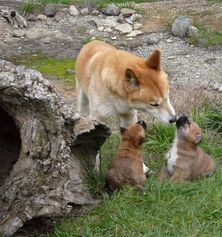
126, 167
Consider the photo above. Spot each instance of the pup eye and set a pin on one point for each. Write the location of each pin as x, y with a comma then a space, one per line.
155, 105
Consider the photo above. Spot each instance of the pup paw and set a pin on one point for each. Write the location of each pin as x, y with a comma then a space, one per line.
147, 170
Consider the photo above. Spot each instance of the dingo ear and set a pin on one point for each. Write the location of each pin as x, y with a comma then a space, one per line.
154, 60
132, 81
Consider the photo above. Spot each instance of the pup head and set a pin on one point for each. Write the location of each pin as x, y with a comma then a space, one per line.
188, 131
148, 89
134, 134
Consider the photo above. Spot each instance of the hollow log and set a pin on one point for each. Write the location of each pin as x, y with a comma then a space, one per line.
44, 147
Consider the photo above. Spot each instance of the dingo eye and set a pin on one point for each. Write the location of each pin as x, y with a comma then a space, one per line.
155, 104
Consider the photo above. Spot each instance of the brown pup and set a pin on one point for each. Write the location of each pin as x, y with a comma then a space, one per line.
127, 166
186, 160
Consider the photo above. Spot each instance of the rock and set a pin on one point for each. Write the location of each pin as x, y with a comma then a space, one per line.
42, 17
84, 11
193, 32
59, 16
73, 11
50, 9
137, 26
110, 21
124, 28
153, 38
113, 37
127, 12
108, 29
220, 89
92, 23
46, 145
120, 18
32, 17
111, 10
135, 17
180, 26
95, 12
135, 44
101, 28
134, 33
18, 33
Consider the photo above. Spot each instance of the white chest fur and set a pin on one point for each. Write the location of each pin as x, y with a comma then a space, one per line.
171, 157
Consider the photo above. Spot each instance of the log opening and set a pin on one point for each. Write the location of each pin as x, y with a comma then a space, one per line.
10, 145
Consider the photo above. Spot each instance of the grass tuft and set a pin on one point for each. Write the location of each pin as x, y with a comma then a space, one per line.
28, 7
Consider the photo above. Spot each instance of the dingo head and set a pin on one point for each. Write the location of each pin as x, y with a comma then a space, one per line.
148, 89
134, 134
188, 131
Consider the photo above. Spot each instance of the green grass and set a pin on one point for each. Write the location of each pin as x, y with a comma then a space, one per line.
167, 210
51, 68
206, 37
28, 7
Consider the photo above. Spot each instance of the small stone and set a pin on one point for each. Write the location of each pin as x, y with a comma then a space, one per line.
193, 32
180, 26
120, 18
73, 11
18, 33
92, 23
114, 38
128, 20
151, 39
101, 28
220, 89
59, 16
32, 17
108, 29
135, 44
135, 17
124, 28
134, 33
169, 40
42, 17
95, 12
50, 9
84, 11
137, 26
127, 12
111, 10
171, 57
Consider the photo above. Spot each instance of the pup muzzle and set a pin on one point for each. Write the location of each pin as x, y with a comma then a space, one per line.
181, 121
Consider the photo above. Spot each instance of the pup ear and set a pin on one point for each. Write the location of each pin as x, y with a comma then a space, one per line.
122, 130
198, 138
154, 60
132, 81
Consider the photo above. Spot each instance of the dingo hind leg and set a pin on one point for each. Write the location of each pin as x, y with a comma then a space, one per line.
82, 100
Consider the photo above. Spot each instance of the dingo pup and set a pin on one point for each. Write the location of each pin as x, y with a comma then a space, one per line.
186, 160
127, 166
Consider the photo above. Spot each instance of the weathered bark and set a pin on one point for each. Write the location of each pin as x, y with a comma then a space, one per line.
42, 145
12, 16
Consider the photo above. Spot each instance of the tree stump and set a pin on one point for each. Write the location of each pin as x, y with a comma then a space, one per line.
43, 146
